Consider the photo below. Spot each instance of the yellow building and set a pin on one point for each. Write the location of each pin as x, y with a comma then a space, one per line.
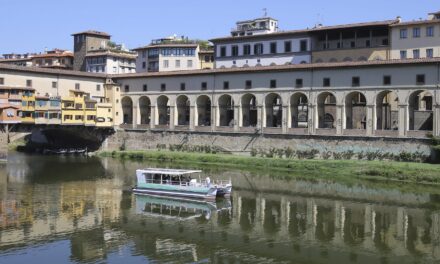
104, 115
28, 105
73, 108
90, 112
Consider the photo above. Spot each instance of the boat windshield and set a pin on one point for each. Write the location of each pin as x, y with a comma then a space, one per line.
158, 178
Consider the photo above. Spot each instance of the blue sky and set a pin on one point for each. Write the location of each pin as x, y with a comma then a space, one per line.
33, 25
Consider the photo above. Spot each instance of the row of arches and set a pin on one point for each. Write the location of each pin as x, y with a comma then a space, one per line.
294, 115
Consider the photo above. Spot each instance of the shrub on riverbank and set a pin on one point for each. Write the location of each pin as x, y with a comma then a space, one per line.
329, 169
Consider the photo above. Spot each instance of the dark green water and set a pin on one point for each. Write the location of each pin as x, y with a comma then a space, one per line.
76, 210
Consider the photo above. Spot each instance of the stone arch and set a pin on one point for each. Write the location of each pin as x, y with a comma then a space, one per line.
145, 110
333, 60
127, 110
319, 61
203, 103
163, 110
183, 106
326, 102
246, 65
274, 110
362, 58
420, 110
303, 62
273, 64
347, 59
387, 111
226, 110
299, 109
355, 110
249, 110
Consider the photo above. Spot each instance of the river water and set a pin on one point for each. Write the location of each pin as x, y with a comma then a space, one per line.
79, 210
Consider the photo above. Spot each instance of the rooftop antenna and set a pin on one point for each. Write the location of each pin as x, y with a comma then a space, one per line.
265, 12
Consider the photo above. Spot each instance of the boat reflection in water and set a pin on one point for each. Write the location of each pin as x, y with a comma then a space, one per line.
175, 208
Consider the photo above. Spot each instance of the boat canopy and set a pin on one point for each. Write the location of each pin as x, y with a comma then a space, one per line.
173, 172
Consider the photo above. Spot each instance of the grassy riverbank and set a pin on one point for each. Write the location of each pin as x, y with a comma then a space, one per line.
322, 169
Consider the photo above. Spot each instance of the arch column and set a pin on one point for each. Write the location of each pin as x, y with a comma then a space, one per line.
370, 119
340, 119
136, 113
192, 116
284, 123
403, 120
236, 117
260, 117
313, 118
214, 117
436, 121
153, 116
172, 116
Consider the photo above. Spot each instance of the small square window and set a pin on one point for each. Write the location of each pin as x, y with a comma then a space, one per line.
77, 86
225, 85
163, 87
2, 81
299, 83
387, 80
326, 82
28, 83
429, 53
126, 88
273, 83
248, 84
98, 87
144, 87
204, 85
182, 86
355, 81
54, 84
420, 79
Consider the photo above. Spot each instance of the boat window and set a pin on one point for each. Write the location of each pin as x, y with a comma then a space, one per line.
148, 178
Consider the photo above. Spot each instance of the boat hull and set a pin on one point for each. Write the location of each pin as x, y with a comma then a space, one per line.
211, 194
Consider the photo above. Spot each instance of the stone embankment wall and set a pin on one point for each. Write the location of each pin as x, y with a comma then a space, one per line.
242, 143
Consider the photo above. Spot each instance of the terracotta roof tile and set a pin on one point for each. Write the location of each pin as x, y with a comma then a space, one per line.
51, 71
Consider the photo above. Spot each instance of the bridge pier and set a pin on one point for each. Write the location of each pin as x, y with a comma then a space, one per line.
4, 131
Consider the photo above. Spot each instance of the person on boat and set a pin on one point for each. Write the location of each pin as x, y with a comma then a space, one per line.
208, 182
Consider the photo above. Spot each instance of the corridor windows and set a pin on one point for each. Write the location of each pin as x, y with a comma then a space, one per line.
403, 54
182, 86
299, 83
326, 82
222, 51
144, 88
2, 81
387, 80
287, 46
420, 79
28, 83
273, 83
430, 31
98, 87
225, 85
234, 50
77, 86
204, 86
54, 84
429, 53
303, 45
416, 32
258, 49
355, 81
126, 88
248, 84
403, 33
163, 87
416, 54
273, 47
246, 49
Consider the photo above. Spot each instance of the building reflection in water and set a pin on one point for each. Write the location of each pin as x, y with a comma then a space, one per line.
98, 218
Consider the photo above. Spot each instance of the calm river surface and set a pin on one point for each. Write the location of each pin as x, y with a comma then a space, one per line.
78, 210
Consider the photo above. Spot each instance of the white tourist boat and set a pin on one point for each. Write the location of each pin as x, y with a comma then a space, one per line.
179, 183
